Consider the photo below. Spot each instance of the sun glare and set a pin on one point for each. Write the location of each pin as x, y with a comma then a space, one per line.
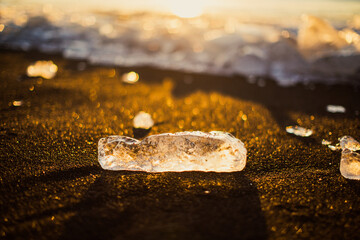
186, 8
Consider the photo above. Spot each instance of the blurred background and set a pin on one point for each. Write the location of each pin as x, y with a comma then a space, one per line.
288, 41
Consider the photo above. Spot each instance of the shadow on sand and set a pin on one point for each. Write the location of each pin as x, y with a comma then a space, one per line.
154, 211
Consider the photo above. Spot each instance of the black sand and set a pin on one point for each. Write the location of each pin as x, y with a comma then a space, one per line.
52, 186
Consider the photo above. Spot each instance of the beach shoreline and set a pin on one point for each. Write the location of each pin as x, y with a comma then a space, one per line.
53, 186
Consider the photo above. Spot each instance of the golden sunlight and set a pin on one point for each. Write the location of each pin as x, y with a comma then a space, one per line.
186, 8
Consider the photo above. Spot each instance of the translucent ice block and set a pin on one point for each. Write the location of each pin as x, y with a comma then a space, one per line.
130, 77
350, 164
183, 151
44, 69
335, 109
143, 120
349, 143
299, 131
350, 159
317, 37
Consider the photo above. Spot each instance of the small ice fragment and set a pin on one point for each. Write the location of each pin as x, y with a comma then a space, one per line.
350, 160
143, 120
44, 69
130, 77
325, 142
350, 164
299, 131
335, 109
335, 147
183, 151
347, 142
17, 103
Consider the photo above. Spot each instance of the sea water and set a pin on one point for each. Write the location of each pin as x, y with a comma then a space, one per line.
289, 41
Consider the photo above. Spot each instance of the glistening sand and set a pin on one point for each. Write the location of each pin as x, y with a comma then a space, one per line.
53, 187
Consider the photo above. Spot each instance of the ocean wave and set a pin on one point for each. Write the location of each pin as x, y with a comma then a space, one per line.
313, 52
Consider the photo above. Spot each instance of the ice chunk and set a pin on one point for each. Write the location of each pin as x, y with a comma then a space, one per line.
355, 22
299, 131
334, 147
335, 109
183, 151
350, 164
325, 142
318, 38
350, 160
17, 103
130, 77
143, 120
351, 37
44, 69
347, 142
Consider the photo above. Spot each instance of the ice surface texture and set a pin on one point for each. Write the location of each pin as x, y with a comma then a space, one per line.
350, 164
349, 143
183, 151
350, 160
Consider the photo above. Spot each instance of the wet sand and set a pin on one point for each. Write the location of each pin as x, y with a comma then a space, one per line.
52, 186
